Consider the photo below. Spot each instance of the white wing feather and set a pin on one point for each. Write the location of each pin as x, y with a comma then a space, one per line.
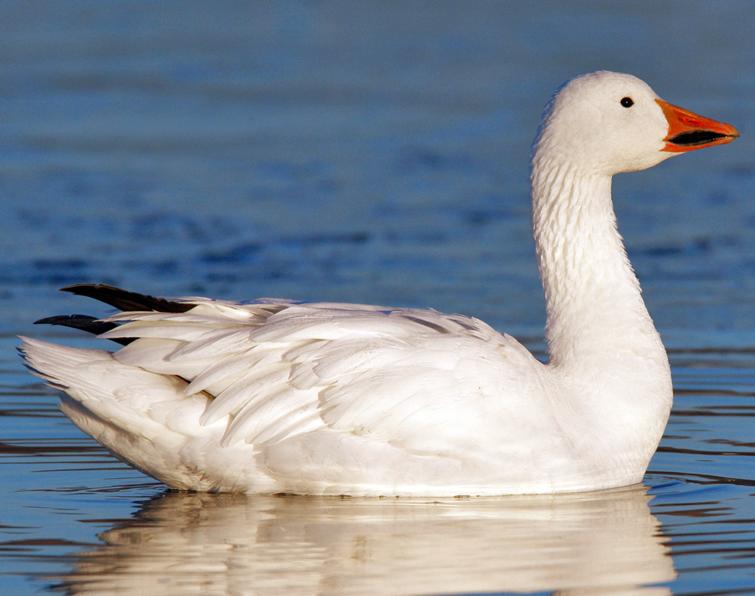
281, 370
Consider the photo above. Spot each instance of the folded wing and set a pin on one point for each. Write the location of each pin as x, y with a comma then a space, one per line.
274, 370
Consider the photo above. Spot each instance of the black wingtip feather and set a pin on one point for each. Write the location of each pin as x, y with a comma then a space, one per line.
116, 297
126, 300
84, 323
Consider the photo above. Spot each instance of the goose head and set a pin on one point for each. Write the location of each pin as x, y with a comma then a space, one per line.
607, 122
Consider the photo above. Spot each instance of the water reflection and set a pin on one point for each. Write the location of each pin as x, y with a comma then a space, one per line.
198, 543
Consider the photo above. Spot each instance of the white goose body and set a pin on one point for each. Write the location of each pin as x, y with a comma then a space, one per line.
274, 397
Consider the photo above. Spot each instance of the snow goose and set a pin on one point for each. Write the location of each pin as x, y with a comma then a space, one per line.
285, 397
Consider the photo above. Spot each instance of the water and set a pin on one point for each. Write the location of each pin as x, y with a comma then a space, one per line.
369, 153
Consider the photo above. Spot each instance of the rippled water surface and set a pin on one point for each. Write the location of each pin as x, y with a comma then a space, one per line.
368, 152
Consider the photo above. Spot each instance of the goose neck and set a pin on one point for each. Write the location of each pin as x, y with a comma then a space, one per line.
593, 299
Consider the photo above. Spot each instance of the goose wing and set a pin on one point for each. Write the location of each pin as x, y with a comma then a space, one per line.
272, 370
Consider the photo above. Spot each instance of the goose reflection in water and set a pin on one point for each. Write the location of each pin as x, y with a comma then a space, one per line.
188, 543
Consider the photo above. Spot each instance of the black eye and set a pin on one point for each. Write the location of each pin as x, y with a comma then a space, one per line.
627, 102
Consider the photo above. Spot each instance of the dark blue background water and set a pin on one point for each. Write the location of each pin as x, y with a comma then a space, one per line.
367, 152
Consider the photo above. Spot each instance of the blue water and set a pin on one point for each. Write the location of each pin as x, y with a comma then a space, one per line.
367, 152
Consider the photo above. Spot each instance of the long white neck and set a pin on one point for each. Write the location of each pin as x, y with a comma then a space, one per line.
596, 315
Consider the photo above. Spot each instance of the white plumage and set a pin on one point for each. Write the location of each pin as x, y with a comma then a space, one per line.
277, 396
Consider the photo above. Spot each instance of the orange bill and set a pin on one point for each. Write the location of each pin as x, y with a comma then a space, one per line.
688, 131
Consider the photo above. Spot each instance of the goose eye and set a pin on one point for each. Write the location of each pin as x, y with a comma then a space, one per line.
627, 102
